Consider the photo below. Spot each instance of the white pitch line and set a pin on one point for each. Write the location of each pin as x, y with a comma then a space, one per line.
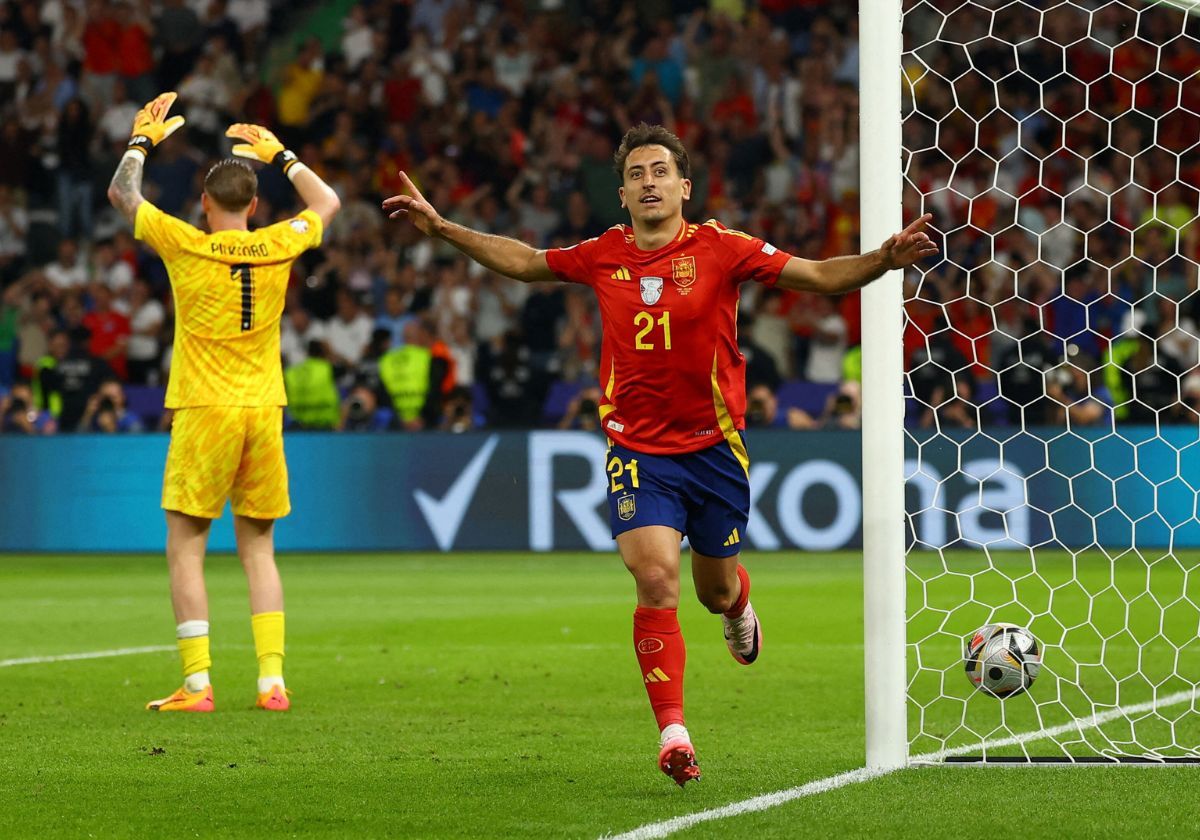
1091, 722
92, 654
863, 774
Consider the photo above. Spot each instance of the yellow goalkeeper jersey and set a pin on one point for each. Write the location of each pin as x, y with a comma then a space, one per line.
229, 290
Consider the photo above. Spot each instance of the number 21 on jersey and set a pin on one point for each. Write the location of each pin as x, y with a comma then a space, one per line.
646, 336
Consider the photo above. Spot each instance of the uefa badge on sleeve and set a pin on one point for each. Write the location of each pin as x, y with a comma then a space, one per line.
627, 504
651, 290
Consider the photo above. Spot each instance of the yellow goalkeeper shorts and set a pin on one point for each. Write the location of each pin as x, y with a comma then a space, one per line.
227, 452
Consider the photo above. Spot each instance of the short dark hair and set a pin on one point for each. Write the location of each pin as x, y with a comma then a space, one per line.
232, 184
644, 134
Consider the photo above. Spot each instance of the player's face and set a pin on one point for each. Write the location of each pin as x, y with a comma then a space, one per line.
653, 190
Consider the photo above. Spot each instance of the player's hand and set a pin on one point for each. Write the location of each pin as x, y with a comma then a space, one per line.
909, 245
260, 144
412, 204
151, 126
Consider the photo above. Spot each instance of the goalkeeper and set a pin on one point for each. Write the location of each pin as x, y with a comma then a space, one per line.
226, 385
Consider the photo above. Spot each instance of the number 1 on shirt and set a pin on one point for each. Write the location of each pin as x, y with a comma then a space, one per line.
242, 272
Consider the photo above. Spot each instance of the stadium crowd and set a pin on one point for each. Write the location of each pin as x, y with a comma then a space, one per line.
507, 115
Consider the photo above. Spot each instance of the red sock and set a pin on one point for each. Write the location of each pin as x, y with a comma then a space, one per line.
661, 654
739, 606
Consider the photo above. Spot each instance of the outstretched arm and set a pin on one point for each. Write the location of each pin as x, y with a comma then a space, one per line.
150, 127
509, 257
845, 274
125, 190
262, 145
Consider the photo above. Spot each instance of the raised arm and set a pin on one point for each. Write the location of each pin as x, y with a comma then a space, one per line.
150, 127
509, 257
845, 274
262, 145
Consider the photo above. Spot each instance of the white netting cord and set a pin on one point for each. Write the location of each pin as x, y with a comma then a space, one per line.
1052, 371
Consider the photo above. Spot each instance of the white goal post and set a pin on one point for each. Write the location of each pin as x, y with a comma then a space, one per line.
882, 391
1031, 399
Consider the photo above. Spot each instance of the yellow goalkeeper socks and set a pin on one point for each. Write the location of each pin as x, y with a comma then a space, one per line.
268, 645
192, 638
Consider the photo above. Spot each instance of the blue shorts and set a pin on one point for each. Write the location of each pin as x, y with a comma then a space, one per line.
705, 494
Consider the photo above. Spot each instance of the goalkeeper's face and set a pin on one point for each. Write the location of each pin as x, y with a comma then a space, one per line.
653, 190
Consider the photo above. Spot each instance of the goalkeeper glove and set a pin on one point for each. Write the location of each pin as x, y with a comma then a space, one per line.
150, 126
261, 145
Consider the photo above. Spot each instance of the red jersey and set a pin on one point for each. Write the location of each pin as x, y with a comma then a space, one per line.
674, 380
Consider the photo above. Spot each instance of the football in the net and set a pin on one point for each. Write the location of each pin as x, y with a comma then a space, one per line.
1002, 659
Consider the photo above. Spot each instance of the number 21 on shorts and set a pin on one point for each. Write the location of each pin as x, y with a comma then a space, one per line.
618, 469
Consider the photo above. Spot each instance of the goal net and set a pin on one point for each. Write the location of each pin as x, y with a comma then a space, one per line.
1052, 433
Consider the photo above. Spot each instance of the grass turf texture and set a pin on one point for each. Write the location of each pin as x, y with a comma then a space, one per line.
452, 696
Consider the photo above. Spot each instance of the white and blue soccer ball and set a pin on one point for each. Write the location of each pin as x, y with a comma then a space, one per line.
1002, 659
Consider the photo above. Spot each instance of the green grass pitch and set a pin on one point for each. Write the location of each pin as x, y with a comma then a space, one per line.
491, 696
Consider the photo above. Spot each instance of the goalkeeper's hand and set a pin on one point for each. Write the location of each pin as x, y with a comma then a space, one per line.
260, 144
151, 126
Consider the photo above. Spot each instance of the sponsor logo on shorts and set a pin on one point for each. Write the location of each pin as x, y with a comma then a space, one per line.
650, 645
626, 507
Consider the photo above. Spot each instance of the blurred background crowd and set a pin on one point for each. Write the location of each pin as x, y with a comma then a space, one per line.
1064, 237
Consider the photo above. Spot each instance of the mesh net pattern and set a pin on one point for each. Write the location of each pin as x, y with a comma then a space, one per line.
1051, 372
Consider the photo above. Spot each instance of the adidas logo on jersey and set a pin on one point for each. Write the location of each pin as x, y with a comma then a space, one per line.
734, 538
621, 273
656, 676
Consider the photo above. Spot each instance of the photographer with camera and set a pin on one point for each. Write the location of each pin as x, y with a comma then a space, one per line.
583, 412
106, 411
361, 412
19, 414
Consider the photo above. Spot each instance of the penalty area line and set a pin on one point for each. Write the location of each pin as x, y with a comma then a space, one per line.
765, 801
91, 654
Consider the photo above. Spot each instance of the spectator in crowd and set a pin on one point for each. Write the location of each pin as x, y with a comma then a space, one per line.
413, 377
143, 349
68, 377
14, 227
458, 412
760, 365
764, 99
361, 412
1082, 397
827, 342
762, 408
394, 315
19, 414
298, 333
107, 411
348, 332
68, 272
109, 270
75, 195
10, 320
1023, 370
583, 410
108, 330
313, 400
940, 383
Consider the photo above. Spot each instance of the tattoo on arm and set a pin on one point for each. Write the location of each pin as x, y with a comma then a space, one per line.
125, 191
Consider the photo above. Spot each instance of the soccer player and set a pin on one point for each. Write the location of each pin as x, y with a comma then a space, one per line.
674, 391
226, 383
